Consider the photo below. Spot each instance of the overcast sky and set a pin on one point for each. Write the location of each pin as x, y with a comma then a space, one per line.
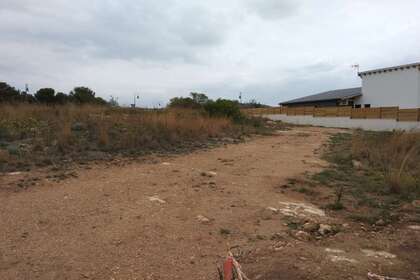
271, 50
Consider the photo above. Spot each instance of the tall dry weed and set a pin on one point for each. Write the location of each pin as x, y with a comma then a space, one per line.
396, 154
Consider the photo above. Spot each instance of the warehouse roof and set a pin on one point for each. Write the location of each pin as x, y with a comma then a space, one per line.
338, 94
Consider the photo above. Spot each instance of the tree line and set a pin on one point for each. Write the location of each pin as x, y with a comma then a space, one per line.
79, 95
84, 95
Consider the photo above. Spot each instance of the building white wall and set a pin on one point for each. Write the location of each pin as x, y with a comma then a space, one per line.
395, 88
346, 122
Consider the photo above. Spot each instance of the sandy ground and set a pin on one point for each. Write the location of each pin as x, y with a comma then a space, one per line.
141, 220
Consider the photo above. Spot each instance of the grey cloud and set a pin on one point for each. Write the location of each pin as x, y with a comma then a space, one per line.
319, 67
271, 50
274, 9
125, 30
198, 27
300, 81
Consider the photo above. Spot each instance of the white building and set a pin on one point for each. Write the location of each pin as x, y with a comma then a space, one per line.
392, 86
397, 86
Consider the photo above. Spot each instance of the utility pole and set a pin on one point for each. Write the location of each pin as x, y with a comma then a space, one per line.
135, 97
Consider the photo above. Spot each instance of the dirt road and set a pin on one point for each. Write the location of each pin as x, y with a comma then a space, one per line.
174, 218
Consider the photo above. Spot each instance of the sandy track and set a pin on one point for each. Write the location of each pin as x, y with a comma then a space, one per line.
102, 225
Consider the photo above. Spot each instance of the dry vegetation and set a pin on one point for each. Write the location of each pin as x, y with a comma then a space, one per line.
375, 175
43, 135
396, 155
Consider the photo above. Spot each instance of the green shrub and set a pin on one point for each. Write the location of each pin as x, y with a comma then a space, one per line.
224, 108
184, 103
45, 95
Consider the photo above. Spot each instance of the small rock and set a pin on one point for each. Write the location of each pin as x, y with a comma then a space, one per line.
302, 236
310, 227
208, 174
380, 223
324, 229
334, 251
357, 164
334, 258
373, 276
274, 210
416, 203
415, 227
14, 173
202, 219
378, 254
156, 199
293, 209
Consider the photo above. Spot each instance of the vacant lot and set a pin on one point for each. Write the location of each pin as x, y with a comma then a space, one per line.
175, 218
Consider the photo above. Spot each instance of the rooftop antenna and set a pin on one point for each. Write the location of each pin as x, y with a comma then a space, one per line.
357, 67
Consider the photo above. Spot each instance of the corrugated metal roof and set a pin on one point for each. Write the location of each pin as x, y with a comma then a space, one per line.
328, 95
389, 69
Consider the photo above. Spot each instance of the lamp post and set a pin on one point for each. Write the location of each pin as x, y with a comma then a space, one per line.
135, 97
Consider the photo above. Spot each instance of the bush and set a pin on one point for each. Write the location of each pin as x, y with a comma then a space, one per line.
224, 108
45, 95
184, 103
83, 95
62, 98
9, 93
220, 108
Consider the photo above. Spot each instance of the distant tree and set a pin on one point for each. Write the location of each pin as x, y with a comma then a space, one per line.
196, 101
199, 98
62, 98
46, 95
100, 101
183, 102
113, 102
83, 95
9, 93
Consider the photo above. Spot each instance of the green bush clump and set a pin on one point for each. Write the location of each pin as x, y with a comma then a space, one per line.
224, 108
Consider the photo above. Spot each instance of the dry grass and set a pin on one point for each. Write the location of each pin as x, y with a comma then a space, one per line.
385, 178
396, 155
34, 131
